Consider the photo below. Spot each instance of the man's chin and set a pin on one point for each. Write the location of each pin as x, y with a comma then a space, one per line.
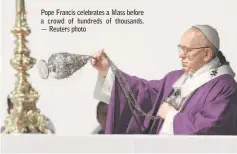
186, 70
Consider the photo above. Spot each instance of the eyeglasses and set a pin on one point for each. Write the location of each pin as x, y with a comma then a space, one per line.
186, 50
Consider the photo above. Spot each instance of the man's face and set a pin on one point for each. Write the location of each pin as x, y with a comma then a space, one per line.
192, 50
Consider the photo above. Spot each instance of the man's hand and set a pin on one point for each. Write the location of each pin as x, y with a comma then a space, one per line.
100, 62
164, 109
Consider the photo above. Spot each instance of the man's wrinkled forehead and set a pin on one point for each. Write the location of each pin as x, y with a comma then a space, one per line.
192, 37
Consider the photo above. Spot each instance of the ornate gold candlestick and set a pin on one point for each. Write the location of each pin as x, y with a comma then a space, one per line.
24, 117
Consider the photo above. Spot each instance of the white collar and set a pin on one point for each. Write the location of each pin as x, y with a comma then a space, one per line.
193, 84
203, 76
212, 64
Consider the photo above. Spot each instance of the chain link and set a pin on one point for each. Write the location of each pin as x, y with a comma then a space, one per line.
133, 105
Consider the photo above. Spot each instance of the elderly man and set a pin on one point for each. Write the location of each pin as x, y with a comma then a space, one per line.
199, 99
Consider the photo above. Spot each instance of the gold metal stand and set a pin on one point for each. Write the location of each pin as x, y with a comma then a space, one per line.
24, 117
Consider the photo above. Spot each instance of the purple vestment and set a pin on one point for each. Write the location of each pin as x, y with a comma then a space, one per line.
212, 109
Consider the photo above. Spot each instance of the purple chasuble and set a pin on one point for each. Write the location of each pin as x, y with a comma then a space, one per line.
212, 108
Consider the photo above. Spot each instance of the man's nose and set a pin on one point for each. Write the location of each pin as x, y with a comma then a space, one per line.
181, 54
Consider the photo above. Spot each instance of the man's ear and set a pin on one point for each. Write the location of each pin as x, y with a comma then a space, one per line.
208, 55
